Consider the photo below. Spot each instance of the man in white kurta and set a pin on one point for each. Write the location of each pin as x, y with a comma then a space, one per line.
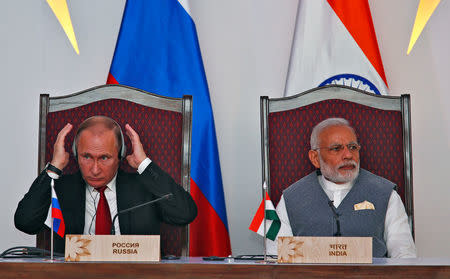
335, 151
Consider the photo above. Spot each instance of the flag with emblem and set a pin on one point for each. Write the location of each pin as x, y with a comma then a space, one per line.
335, 43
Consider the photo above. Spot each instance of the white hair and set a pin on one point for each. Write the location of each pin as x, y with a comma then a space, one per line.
322, 126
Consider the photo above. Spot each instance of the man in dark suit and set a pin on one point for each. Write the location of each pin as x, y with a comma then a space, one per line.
90, 197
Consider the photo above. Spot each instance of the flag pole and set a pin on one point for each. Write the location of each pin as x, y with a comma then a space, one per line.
264, 220
52, 183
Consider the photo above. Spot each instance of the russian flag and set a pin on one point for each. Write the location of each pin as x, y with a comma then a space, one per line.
158, 51
335, 43
58, 222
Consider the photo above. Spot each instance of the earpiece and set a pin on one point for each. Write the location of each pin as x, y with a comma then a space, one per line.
123, 148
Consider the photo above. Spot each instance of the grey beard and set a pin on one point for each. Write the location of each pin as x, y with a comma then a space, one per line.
335, 176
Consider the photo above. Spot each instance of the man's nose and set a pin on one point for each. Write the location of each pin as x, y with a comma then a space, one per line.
346, 153
95, 168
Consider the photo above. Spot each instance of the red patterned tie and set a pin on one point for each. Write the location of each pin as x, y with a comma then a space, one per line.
103, 219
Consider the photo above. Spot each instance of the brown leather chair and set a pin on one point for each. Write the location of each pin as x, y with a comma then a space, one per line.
382, 123
163, 124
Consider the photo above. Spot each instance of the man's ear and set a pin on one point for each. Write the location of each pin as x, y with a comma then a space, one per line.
314, 158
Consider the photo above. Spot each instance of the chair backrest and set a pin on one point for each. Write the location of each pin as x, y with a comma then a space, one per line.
382, 124
164, 126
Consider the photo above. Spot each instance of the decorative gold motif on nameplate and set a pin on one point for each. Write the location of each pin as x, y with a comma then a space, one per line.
77, 247
290, 249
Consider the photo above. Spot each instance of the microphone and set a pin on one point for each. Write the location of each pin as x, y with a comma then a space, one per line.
165, 197
336, 217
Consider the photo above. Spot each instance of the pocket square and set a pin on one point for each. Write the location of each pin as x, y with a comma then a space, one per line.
364, 205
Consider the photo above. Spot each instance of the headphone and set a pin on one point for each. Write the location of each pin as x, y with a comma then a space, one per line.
122, 150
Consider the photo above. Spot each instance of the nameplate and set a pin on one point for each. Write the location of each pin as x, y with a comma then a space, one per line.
306, 249
121, 248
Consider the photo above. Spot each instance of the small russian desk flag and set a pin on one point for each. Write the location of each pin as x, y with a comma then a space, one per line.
58, 222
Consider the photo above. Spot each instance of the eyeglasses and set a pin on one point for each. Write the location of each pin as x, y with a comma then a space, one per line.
337, 148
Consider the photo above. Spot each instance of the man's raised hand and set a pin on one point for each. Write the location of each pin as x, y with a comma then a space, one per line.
60, 156
138, 154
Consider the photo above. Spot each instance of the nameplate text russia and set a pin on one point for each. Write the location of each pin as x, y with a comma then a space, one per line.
112, 248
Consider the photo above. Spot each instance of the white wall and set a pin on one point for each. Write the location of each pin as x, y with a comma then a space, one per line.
245, 46
424, 74
36, 57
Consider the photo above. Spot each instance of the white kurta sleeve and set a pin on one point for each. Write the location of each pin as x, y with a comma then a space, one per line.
397, 232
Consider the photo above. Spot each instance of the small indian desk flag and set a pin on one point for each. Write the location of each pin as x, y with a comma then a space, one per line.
272, 221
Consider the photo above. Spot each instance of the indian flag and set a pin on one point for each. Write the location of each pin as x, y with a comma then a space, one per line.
335, 43
272, 221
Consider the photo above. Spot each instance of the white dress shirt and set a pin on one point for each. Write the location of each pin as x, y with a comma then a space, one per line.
397, 233
92, 198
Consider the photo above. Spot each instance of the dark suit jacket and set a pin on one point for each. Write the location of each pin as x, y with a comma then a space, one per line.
131, 189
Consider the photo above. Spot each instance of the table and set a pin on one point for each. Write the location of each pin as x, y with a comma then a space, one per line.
230, 268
